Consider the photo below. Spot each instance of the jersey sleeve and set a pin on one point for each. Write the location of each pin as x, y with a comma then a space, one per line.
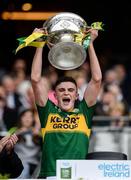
87, 111
43, 112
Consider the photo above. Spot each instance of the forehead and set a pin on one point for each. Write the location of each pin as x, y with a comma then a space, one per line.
66, 85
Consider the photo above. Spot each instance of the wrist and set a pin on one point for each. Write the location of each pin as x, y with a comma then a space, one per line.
90, 45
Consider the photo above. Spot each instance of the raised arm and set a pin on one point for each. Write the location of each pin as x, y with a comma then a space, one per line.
93, 88
39, 84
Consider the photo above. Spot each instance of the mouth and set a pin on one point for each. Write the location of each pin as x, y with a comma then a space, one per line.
66, 100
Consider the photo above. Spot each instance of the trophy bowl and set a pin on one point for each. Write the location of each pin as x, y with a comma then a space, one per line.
65, 53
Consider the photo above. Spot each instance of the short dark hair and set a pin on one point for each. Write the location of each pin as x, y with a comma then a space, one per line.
65, 79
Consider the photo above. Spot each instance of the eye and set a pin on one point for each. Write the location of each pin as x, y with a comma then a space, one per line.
71, 89
61, 90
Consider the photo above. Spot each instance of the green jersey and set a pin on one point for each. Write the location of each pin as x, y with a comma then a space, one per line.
65, 134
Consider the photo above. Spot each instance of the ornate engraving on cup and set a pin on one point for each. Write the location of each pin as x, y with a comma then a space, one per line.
64, 52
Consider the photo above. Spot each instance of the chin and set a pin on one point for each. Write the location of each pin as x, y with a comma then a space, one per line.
68, 109
65, 109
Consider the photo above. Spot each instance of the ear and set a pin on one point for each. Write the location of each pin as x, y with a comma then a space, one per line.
55, 95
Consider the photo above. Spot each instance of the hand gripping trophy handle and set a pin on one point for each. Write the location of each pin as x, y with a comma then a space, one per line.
66, 34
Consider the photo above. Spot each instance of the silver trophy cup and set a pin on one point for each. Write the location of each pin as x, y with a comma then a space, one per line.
65, 52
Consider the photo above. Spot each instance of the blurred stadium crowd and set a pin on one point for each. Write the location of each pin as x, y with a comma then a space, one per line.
18, 111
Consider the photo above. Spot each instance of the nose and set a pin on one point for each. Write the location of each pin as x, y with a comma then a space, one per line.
66, 91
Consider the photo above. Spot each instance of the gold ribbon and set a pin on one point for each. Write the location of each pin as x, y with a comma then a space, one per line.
78, 38
33, 39
35, 44
84, 38
97, 25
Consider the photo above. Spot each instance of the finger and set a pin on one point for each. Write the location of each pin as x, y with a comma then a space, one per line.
3, 143
4, 139
94, 30
40, 30
36, 30
44, 30
14, 139
10, 143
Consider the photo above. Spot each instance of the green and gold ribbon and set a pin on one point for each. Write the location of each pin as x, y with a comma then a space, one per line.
97, 25
84, 38
33, 39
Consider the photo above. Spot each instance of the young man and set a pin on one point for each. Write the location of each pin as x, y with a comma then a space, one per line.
66, 127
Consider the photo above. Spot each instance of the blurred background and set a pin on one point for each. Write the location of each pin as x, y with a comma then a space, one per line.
114, 41
111, 127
